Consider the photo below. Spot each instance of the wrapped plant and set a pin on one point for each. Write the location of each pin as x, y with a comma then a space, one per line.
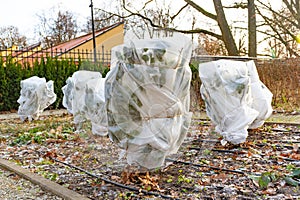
147, 98
235, 98
36, 95
84, 98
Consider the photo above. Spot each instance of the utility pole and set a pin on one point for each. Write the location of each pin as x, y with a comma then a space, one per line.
93, 29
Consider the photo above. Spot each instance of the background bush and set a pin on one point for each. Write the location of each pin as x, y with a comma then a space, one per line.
11, 74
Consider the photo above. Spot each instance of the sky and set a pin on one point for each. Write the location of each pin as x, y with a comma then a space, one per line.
23, 13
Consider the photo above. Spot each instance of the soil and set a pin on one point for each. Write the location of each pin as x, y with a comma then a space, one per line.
260, 168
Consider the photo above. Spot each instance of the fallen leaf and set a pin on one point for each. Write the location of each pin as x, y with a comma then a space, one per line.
295, 148
221, 176
115, 178
295, 156
271, 191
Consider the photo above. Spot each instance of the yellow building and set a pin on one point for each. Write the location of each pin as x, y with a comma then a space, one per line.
18, 53
82, 46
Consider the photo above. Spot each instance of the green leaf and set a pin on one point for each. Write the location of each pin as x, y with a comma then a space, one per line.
273, 176
290, 167
289, 180
170, 180
264, 180
254, 178
296, 173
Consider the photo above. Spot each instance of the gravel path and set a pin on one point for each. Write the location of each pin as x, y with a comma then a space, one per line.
4, 116
12, 187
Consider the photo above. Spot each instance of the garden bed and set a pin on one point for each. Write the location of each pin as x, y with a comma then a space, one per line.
266, 166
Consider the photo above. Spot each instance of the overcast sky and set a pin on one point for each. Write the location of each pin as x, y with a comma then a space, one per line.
23, 13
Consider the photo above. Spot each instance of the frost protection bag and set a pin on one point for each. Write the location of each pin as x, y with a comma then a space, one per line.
36, 95
226, 90
262, 97
235, 97
94, 108
74, 94
147, 98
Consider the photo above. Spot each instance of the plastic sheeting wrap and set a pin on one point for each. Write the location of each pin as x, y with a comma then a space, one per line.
36, 95
261, 97
235, 98
84, 98
95, 109
147, 98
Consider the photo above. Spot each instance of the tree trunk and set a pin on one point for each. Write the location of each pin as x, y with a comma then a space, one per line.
297, 6
226, 33
252, 45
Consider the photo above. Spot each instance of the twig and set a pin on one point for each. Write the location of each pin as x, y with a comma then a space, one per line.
282, 123
201, 140
275, 145
269, 141
288, 159
265, 123
221, 150
115, 183
211, 167
286, 141
245, 152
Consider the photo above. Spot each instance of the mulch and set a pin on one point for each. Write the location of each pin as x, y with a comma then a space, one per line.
207, 170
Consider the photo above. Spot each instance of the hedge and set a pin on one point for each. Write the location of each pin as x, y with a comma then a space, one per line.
11, 74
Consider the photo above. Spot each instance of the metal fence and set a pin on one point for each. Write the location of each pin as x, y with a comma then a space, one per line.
29, 56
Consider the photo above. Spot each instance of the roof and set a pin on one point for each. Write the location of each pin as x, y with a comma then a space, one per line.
16, 53
73, 43
29, 54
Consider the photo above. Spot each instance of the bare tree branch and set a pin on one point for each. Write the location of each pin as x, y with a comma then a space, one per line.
162, 21
226, 33
179, 11
290, 7
277, 13
201, 10
236, 5
218, 36
278, 34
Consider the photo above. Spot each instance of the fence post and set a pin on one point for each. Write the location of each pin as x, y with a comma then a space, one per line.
102, 54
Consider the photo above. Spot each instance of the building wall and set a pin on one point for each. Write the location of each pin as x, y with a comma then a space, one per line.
109, 39
104, 41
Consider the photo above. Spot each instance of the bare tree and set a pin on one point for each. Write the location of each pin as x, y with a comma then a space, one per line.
101, 19
142, 26
10, 36
56, 29
219, 18
280, 27
252, 45
227, 36
144, 21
